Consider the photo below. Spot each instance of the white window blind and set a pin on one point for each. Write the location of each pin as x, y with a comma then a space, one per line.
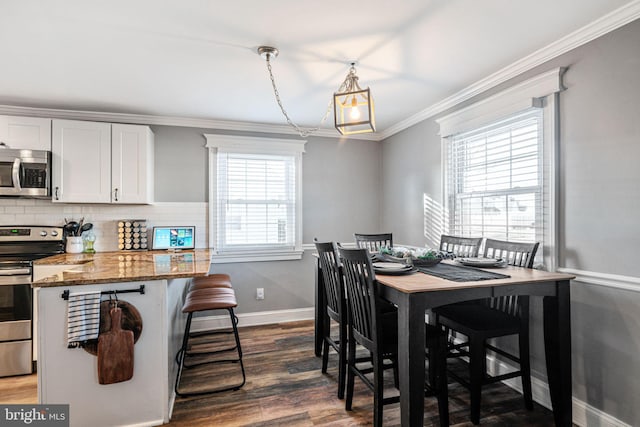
495, 180
256, 202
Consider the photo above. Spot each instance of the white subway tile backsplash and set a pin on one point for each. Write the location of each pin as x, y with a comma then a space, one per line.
14, 210
105, 217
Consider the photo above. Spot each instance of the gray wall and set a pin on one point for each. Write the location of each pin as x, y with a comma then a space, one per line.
180, 162
341, 184
411, 173
599, 211
341, 195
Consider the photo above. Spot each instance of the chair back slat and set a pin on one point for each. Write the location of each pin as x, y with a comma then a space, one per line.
373, 242
460, 246
332, 277
516, 254
361, 293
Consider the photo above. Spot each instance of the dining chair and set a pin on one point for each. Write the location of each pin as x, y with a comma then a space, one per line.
373, 242
336, 309
489, 318
460, 246
377, 331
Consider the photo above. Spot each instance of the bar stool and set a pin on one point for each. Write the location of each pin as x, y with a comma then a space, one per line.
215, 298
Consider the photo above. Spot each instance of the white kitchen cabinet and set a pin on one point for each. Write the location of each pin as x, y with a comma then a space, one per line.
131, 164
25, 133
81, 162
96, 162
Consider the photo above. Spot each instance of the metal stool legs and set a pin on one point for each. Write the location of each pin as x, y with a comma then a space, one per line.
183, 354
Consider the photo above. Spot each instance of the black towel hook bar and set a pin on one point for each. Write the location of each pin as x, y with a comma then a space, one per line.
65, 293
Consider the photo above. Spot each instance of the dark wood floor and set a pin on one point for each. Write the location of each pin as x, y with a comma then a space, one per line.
286, 388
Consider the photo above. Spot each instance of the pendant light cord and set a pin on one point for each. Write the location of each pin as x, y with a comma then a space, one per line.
301, 131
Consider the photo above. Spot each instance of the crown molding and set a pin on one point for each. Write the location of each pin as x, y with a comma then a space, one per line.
612, 21
145, 119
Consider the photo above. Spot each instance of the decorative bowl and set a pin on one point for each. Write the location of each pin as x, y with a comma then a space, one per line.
423, 262
417, 262
391, 258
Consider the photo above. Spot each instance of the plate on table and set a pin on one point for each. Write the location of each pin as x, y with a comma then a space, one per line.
483, 262
392, 268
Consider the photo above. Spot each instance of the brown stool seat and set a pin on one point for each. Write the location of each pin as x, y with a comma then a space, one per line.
209, 299
211, 281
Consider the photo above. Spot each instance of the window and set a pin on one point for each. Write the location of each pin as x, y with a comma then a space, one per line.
495, 186
499, 158
255, 186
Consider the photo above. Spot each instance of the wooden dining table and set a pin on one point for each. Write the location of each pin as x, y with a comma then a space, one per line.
415, 293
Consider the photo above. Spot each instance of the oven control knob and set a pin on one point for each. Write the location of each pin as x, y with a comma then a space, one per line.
54, 233
43, 233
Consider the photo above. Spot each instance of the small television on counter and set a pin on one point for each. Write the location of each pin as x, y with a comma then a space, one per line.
173, 238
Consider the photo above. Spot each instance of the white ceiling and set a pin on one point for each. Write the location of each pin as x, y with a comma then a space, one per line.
197, 59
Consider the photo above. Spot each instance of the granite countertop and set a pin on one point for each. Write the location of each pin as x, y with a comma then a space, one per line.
111, 267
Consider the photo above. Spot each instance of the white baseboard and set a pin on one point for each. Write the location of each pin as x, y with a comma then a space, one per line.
207, 323
584, 415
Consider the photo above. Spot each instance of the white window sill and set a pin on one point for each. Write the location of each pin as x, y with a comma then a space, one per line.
257, 256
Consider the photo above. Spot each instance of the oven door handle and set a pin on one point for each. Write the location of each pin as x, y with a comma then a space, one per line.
15, 174
15, 271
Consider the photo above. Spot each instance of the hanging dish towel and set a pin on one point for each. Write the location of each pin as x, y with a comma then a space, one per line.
83, 318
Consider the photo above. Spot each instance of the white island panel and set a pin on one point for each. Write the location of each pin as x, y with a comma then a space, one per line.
70, 376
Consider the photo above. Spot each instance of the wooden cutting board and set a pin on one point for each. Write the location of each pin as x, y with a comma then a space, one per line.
115, 352
131, 321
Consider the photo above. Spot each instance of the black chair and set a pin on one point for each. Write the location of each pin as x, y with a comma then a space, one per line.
377, 331
336, 309
373, 242
460, 246
492, 318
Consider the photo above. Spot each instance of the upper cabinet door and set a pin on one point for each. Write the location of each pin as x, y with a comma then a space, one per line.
131, 164
25, 133
81, 161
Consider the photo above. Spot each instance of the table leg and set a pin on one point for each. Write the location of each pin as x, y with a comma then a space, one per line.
411, 345
557, 345
320, 310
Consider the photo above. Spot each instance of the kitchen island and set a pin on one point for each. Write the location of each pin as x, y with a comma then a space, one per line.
70, 375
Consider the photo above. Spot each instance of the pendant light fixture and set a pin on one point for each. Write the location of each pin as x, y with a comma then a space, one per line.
353, 106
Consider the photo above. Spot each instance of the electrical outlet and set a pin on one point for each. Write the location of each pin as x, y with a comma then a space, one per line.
260, 293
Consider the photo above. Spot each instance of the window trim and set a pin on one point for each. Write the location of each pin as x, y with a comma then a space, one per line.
253, 145
479, 143
541, 91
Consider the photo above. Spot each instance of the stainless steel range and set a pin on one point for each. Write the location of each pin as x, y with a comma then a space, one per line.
19, 246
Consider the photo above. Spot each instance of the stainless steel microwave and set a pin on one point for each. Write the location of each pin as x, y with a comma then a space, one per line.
25, 173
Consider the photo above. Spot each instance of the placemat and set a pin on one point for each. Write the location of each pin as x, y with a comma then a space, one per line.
459, 273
